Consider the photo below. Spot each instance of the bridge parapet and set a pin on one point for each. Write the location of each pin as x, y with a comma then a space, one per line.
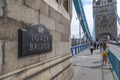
114, 58
77, 49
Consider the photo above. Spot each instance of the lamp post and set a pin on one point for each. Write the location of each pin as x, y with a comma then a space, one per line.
79, 29
78, 17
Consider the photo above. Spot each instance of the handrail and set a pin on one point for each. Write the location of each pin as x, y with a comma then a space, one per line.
77, 49
115, 62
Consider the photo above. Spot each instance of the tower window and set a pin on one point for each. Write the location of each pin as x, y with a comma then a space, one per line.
109, 1
98, 2
56, 0
105, 2
65, 4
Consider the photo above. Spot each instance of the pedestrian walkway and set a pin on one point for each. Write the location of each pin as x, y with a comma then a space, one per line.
89, 67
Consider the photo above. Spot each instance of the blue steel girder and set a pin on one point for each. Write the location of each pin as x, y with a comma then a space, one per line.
80, 13
117, 16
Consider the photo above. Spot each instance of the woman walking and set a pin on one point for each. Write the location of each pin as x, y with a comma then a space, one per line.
91, 48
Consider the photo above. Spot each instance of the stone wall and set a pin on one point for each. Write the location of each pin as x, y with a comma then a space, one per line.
55, 65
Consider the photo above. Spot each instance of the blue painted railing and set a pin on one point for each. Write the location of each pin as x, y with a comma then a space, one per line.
115, 62
77, 49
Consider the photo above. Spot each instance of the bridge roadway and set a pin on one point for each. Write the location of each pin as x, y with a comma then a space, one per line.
89, 67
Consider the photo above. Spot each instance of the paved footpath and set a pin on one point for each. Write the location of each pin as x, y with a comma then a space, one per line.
89, 67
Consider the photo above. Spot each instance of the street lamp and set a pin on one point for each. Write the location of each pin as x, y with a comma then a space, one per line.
79, 28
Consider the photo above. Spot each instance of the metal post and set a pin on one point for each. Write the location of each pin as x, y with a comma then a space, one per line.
79, 29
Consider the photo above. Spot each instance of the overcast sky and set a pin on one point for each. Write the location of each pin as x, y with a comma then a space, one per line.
87, 4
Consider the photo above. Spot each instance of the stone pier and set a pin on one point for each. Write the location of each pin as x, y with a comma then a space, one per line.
18, 14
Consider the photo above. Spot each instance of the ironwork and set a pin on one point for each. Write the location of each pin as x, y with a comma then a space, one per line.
117, 16
77, 49
83, 21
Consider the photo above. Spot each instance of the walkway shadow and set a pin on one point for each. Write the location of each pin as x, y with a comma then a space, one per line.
97, 66
96, 62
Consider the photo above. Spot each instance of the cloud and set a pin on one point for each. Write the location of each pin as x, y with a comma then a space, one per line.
118, 7
86, 2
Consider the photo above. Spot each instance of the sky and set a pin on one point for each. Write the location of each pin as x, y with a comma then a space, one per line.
87, 4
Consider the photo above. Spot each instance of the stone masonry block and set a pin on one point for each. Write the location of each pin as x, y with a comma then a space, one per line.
64, 37
10, 78
55, 78
56, 61
56, 36
60, 76
52, 53
67, 71
34, 59
67, 29
1, 56
18, 76
43, 57
47, 21
24, 61
65, 20
45, 9
55, 15
10, 56
66, 63
47, 64
56, 69
60, 27
35, 4
67, 47
69, 75
42, 76
60, 48
33, 71
17, 10
38, 5
28, 60
9, 28
1, 7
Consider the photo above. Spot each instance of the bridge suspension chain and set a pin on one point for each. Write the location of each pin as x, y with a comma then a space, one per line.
83, 21
117, 16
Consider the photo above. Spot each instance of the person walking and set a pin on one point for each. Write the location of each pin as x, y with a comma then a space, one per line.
91, 48
101, 46
104, 57
95, 45
105, 53
104, 45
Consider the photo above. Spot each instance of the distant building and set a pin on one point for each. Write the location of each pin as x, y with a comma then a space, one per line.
76, 41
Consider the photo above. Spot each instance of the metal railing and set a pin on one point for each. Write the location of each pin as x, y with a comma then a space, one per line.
77, 49
115, 62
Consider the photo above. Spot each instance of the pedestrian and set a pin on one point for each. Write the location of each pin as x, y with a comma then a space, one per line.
97, 44
104, 57
91, 48
101, 46
104, 45
94, 45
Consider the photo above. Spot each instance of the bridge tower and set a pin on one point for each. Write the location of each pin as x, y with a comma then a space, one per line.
105, 20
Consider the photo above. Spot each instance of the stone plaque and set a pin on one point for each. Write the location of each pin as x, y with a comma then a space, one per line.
35, 39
